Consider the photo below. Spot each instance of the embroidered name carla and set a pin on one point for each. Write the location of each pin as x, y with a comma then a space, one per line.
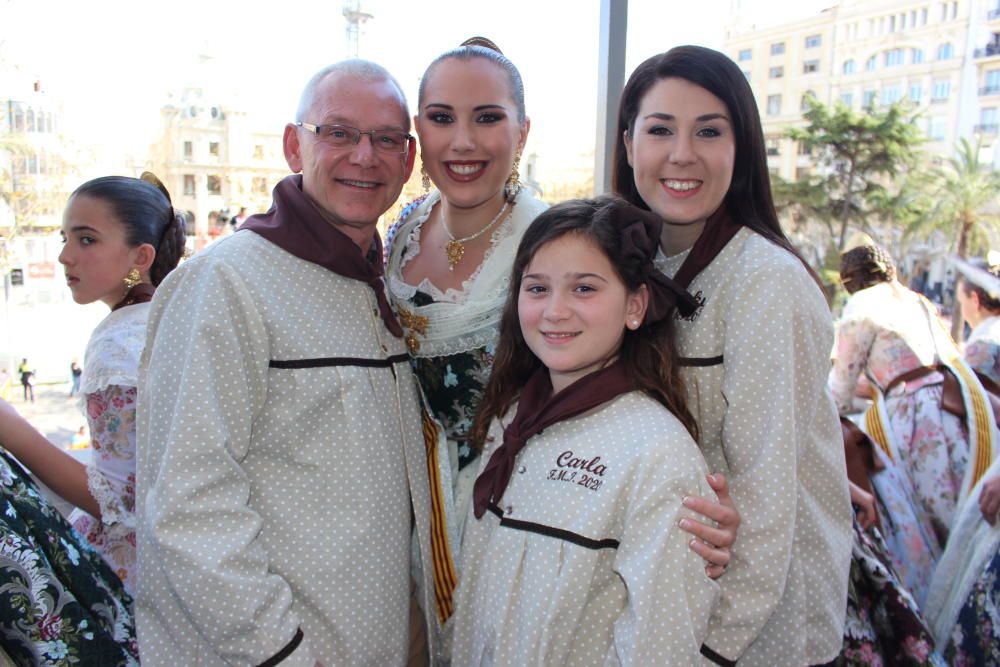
584, 472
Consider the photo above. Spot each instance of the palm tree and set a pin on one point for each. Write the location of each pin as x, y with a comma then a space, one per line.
968, 188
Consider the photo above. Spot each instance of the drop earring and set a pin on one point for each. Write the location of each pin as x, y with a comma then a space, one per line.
425, 180
132, 278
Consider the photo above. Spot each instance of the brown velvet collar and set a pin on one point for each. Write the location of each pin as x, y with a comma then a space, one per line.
295, 225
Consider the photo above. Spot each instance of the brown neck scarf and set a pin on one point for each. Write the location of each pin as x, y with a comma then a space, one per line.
141, 293
296, 226
537, 409
720, 228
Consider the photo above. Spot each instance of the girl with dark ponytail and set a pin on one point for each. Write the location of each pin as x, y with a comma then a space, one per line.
121, 238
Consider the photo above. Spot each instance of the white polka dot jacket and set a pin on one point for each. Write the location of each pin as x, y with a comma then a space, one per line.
281, 467
756, 357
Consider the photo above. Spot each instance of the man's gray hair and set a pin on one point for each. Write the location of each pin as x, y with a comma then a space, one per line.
364, 70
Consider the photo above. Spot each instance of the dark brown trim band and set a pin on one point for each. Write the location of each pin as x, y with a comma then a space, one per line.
716, 658
700, 361
285, 652
339, 361
558, 533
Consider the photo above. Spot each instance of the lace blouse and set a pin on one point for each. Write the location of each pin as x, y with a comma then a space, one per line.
108, 396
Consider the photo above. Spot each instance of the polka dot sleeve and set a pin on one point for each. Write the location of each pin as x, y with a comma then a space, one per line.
778, 337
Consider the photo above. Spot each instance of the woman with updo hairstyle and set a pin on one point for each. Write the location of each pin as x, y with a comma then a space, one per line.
121, 238
449, 258
923, 416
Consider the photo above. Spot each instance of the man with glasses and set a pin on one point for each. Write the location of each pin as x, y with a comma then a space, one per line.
282, 462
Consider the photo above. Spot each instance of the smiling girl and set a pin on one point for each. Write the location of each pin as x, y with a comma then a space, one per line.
572, 553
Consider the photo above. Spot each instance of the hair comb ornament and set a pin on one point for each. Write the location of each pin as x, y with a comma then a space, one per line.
483, 42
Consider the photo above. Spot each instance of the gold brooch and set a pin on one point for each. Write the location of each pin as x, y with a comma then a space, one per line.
415, 324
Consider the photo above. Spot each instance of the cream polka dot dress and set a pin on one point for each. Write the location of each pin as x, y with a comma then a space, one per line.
281, 465
582, 561
757, 357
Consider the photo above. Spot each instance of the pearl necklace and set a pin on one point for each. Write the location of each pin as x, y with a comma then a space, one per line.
455, 249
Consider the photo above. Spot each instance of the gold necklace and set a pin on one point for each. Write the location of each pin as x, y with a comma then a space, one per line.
455, 249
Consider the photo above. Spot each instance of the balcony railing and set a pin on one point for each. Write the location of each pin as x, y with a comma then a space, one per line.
986, 128
992, 49
993, 14
990, 90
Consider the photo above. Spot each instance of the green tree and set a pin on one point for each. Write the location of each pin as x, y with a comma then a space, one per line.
966, 191
856, 154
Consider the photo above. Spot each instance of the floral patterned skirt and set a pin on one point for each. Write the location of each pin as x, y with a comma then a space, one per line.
60, 603
976, 637
884, 626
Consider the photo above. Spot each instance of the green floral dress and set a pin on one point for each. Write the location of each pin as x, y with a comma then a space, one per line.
453, 386
60, 602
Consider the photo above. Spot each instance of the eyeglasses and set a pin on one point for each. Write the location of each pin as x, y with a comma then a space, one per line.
392, 142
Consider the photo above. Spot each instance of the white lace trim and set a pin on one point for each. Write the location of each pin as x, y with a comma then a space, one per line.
112, 356
108, 499
451, 294
454, 328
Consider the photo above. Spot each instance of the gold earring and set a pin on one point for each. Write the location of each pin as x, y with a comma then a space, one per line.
132, 278
513, 184
425, 180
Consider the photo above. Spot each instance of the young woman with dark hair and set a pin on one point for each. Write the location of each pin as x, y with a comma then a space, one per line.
573, 554
754, 351
121, 237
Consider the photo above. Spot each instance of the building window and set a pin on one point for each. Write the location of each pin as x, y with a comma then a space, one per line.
891, 94
777, 48
776, 72
893, 57
804, 149
258, 152
214, 184
773, 145
188, 149
992, 82
849, 67
810, 67
847, 99
260, 184
892, 23
941, 90
806, 98
916, 56
213, 148
988, 116
923, 16
915, 92
868, 98
31, 120
945, 51
812, 41
954, 9
189, 184
870, 64
746, 73
745, 54
773, 105
938, 128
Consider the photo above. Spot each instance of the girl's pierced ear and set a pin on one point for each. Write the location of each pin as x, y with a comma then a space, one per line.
635, 325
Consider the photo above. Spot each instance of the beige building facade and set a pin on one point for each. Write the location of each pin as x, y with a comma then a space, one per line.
943, 57
214, 160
